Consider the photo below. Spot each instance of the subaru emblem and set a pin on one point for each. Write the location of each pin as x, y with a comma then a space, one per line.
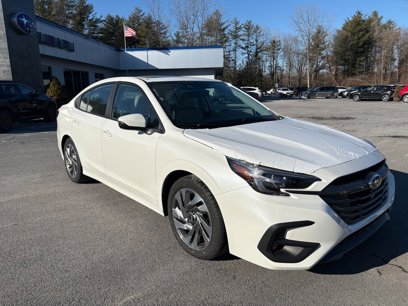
24, 23
375, 181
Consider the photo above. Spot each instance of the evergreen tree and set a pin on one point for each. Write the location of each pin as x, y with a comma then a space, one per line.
215, 30
149, 32
62, 11
84, 19
135, 21
43, 8
112, 31
253, 47
353, 45
156, 33
235, 36
318, 46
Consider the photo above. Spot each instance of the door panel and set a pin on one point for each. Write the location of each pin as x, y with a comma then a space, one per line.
130, 159
87, 122
130, 155
86, 133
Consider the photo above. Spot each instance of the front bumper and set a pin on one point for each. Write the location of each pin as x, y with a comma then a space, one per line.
248, 215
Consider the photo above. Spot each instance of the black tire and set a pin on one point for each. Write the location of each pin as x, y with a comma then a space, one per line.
405, 98
312, 96
6, 120
356, 98
385, 98
187, 223
73, 162
50, 113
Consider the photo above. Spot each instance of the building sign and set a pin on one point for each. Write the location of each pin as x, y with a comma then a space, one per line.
55, 42
24, 23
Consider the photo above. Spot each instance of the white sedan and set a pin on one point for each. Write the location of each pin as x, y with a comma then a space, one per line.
284, 91
230, 174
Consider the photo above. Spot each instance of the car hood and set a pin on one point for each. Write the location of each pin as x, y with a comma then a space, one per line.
286, 144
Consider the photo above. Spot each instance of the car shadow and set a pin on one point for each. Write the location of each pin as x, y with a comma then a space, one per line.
387, 244
32, 126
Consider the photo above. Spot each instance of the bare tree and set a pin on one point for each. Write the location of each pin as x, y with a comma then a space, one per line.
305, 21
289, 57
402, 53
191, 15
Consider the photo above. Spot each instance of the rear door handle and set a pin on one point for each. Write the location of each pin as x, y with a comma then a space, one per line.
107, 133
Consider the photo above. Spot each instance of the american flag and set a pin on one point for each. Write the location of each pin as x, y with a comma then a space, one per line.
129, 32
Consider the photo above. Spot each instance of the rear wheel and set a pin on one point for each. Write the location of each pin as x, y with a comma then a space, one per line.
385, 98
195, 219
51, 113
405, 98
356, 98
6, 120
72, 162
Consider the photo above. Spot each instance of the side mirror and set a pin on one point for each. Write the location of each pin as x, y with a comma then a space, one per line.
132, 122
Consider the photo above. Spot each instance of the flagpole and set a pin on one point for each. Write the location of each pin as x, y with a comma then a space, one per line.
124, 38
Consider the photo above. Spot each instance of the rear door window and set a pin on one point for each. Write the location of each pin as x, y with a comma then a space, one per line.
99, 100
96, 100
84, 101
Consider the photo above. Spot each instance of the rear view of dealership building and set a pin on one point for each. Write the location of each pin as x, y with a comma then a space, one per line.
33, 49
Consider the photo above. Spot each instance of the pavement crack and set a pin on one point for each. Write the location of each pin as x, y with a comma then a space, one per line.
383, 261
400, 267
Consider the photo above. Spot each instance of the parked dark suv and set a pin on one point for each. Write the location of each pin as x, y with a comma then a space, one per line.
323, 92
19, 101
374, 92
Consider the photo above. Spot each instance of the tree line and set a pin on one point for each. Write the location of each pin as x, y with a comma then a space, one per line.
365, 50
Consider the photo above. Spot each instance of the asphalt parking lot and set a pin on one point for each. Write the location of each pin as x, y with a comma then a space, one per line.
62, 243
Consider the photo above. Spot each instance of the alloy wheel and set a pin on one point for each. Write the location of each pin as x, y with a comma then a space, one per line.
191, 219
71, 160
385, 98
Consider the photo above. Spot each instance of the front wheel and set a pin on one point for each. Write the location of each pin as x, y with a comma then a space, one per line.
405, 98
385, 98
356, 98
195, 219
6, 120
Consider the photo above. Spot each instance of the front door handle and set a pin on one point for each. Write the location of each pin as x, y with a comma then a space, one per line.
107, 133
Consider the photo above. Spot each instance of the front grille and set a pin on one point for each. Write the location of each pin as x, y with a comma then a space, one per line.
352, 198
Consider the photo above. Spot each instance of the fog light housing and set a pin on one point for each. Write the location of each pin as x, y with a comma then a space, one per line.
275, 246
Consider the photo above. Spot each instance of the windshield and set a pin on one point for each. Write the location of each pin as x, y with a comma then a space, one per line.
208, 104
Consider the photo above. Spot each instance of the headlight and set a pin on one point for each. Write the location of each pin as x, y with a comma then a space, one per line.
269, 180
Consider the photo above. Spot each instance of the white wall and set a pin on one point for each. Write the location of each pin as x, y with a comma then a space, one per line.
200, 73
93, 56
59, 65
173, 58
86, 50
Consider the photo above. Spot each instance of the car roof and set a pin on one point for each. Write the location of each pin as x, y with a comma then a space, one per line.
150, 79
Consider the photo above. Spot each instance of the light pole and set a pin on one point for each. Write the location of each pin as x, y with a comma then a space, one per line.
307, 62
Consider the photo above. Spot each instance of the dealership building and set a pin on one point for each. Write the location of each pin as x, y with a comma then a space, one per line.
33, 50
